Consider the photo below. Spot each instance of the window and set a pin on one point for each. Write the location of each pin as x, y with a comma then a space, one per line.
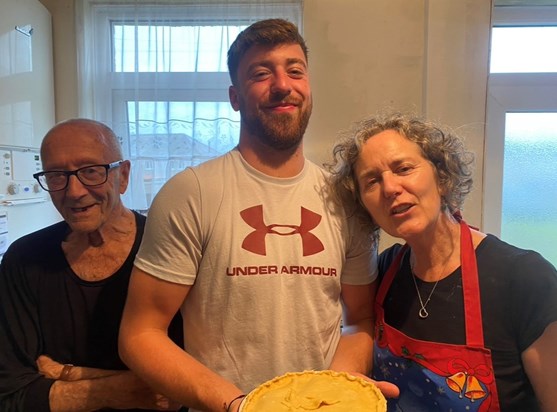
157, 74
525, 49
521, 146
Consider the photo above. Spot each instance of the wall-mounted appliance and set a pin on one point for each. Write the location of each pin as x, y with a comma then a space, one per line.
17, 185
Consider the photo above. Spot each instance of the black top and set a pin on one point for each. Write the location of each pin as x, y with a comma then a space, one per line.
46, 309
518, 291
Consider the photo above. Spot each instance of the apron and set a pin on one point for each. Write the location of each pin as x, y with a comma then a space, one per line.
437, 376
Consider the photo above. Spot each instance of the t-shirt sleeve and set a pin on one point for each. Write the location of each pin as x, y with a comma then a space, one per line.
172, 243
22, 387
533, 296
360, 267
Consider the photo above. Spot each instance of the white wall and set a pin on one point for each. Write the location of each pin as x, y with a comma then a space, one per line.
26, 104
428, 57
26, 73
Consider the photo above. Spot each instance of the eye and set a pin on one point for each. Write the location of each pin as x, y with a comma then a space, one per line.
90, 171
297, 72
259, 75
369, 183
54, 176
404, 169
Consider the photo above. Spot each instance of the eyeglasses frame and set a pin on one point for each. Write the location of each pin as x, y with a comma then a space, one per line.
68, 173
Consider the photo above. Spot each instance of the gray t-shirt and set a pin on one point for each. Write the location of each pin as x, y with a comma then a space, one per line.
267, 257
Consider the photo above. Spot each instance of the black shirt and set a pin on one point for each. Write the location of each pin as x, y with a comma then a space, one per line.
518, 291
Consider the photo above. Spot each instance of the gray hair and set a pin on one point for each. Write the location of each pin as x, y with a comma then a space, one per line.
443, 149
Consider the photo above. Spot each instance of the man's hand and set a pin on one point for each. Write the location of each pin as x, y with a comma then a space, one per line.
49, 368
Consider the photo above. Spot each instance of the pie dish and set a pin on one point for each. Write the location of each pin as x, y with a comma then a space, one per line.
322, 391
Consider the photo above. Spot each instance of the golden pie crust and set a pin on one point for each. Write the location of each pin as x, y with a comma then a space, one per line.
323, 391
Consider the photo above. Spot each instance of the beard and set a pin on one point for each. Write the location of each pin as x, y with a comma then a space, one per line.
280, 131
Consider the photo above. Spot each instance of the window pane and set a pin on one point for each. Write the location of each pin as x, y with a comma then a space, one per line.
199, 130
524, 50
530, 182
171, 48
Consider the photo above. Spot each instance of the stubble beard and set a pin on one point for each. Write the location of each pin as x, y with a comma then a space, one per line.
279, 131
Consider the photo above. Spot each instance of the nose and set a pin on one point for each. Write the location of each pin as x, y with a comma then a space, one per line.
391, 185
75, 188
281, 83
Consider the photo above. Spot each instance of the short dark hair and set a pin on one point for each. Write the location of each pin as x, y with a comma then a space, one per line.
270, 32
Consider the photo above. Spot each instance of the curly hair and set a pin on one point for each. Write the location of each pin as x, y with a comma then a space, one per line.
443, 149
270, 32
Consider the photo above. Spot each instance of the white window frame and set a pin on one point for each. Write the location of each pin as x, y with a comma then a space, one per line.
110, 104
512, 92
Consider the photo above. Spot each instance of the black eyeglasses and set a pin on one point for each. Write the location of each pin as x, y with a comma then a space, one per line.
94, 175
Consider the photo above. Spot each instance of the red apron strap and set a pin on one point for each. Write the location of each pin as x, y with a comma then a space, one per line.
389, 276
471, 289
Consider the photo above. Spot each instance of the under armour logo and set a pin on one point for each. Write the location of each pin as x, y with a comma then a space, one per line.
255, 241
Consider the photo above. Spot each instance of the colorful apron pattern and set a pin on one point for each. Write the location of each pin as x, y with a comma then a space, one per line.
437, 376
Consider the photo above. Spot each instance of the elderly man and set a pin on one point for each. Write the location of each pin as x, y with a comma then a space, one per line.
63, 288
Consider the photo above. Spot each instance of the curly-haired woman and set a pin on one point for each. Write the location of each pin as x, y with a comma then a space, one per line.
464, 321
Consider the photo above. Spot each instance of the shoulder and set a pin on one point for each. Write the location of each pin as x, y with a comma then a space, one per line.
494, 251
40, 242
387, 256
316, 170
194, 183
227, 160
518, 275
203, 175
33, 253
509, 274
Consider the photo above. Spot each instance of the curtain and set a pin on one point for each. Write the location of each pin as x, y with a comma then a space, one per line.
156, 73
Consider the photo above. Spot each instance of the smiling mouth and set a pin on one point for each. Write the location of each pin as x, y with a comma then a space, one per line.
281, 107
80, 209
284, 103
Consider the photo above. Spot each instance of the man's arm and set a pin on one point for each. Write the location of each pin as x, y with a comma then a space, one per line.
90, 389
148, 351
354, 353
122, 390
539, 361
355, 349
51, 369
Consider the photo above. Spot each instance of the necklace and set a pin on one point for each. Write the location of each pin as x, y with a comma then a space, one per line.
423, 313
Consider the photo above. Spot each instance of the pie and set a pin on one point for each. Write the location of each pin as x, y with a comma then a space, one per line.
323, 391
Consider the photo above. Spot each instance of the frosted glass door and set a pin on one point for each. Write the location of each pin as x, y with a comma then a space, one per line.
529, 219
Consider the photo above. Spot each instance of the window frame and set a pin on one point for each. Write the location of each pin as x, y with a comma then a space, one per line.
512, 92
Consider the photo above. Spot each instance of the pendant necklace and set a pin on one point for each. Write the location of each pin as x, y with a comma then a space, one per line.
423, 313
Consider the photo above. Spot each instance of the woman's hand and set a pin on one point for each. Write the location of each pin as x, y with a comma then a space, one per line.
388, 389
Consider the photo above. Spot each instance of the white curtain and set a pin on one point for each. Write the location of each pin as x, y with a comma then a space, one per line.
156, 73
